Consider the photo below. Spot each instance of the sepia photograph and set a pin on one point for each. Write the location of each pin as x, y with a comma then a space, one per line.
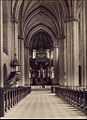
43, 59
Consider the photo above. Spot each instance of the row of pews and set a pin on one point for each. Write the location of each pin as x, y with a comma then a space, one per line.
9, 97
76, 97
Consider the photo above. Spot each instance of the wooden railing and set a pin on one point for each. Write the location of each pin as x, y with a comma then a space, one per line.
10, 97
77, 97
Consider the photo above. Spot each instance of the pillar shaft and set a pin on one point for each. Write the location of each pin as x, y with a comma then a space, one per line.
14, 43
71, 61
26, 54
21, 59
16, 38
68, 53
1, 45
56, 64
75, 53
65, 57
61, 61
84, 14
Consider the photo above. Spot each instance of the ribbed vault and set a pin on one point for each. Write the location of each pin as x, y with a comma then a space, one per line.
36, 15
41, 40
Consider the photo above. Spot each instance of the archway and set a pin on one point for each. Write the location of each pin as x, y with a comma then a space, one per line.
41, 59
37, 16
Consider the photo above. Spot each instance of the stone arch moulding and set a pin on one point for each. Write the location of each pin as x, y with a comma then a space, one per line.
40, 9
29, 24
15, 9
35, 33
38, 29
20, 7
17, 4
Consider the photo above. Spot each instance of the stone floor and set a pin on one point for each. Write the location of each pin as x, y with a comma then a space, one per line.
43, 105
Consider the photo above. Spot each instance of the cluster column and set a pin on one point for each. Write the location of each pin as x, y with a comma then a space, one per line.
14, 42
21, 57
71, 61
26, 65
65, 57
68, 54
1, 44
56, 63
75, 60
61, 60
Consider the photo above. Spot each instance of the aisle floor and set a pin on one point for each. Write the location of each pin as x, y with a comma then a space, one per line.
43, 105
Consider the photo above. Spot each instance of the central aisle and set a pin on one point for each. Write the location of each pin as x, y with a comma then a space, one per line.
43, 104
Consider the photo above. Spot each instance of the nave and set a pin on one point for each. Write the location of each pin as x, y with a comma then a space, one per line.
42, 104
43, 43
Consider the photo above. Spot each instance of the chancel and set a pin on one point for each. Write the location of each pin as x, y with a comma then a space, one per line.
43, 59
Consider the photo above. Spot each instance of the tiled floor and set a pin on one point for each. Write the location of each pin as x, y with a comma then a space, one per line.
43, 104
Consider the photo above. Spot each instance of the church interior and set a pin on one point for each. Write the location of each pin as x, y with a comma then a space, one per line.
43, 58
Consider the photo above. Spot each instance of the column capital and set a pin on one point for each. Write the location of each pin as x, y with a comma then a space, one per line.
27, 47
20, 37
55, 44
62, 37
13, 20
71, 19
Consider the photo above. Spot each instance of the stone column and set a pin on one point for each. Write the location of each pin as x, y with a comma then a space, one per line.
21, 82
65, 57
61, 60
75, 56
16, 38
14, 43
84, 40
86, 37
29, 82
1, 45
26, 61
56, 63
68, 50
71, 52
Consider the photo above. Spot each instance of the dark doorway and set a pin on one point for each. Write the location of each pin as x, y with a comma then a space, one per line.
80, 82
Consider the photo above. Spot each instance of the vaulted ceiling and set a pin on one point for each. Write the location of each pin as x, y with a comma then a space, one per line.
41, 40
40, 20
